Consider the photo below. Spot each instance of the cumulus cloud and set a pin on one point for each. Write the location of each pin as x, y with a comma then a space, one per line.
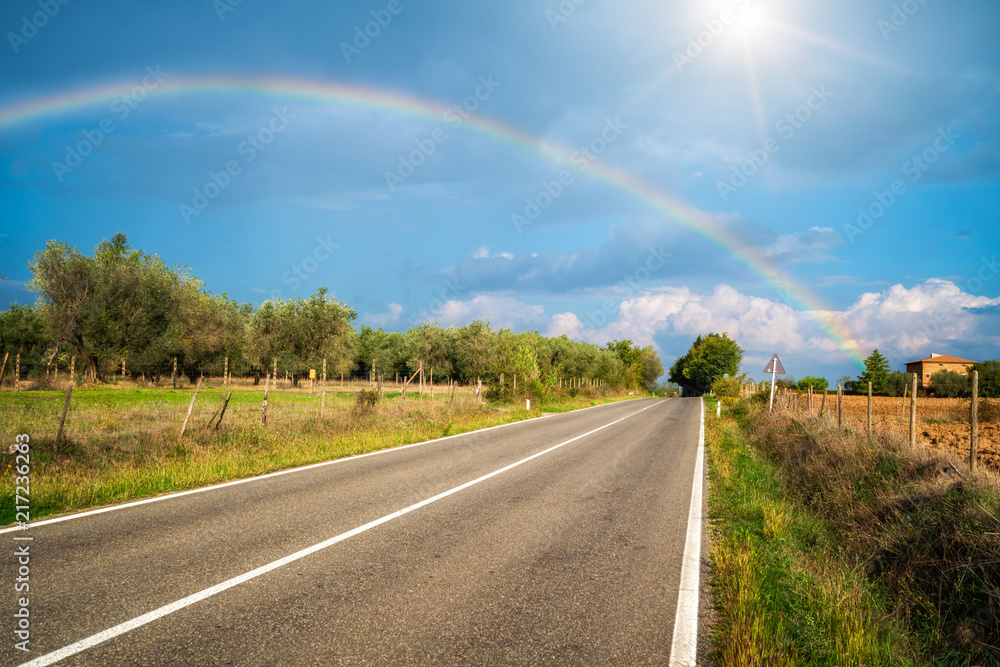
678, 311
565, 324
934, 316
386, 319
501, 311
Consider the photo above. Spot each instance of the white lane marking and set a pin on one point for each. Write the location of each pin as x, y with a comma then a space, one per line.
127, 626
684, 649
169, 496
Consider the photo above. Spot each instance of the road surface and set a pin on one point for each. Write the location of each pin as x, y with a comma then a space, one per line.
554, 541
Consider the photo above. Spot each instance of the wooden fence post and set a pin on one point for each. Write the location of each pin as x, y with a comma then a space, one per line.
322, 400
809, 389
225, 374
822, 404
62, 421
4, 367
190, 408
913, 411
902, 407
263, 410
452, 399
432, 384
173, 376
274, 372
840, 407
17, 373
869, 408
72, 369
974, 422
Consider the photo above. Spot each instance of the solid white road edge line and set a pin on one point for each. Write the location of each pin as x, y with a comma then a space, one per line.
213, 487
683, 650
127, 626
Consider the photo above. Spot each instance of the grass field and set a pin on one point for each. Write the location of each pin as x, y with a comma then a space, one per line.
123, 442
834, 548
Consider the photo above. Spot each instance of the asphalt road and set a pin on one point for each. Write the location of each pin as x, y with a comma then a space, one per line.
572, 557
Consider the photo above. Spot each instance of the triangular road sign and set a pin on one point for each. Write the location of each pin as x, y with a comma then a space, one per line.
774, 366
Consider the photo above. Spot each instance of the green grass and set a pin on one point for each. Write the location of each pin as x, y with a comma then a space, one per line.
832, 547
782, 595
123, 443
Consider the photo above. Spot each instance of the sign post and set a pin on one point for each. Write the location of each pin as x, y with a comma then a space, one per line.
775, 368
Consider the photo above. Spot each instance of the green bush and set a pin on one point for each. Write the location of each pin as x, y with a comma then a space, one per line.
364, 406
729, 387
949, 384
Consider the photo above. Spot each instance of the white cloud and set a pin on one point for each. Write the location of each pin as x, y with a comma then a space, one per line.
383, 320
901, 321
484, 253
935, 316
812, 245
501, 311
567, 324
677, 311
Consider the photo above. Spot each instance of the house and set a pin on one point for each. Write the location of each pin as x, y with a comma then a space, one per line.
925, 368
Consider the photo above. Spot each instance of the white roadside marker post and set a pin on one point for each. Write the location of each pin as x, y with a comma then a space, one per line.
773, 367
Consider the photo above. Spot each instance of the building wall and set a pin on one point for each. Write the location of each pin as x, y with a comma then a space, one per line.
928, 368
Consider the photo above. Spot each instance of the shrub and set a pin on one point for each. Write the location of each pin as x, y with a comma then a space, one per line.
365, 404
949, 384
817, 383
729, 387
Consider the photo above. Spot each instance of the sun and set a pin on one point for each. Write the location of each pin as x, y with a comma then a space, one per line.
754, 25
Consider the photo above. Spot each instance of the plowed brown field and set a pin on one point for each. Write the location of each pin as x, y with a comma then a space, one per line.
893, 414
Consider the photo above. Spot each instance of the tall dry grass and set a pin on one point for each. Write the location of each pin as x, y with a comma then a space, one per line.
124, 442
919, 527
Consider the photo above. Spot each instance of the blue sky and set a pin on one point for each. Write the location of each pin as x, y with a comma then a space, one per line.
783, 121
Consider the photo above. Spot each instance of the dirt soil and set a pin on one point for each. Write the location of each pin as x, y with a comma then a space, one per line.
955, 436
893, 413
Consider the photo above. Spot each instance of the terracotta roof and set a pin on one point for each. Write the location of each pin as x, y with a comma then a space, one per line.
943, 359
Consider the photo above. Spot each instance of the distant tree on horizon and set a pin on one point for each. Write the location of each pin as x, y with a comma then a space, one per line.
709, 358
877, 372
817, 383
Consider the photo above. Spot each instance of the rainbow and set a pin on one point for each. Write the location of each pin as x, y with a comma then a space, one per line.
330, 93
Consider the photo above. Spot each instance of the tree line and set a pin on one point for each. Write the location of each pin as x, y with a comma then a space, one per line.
122, 310
713, 363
